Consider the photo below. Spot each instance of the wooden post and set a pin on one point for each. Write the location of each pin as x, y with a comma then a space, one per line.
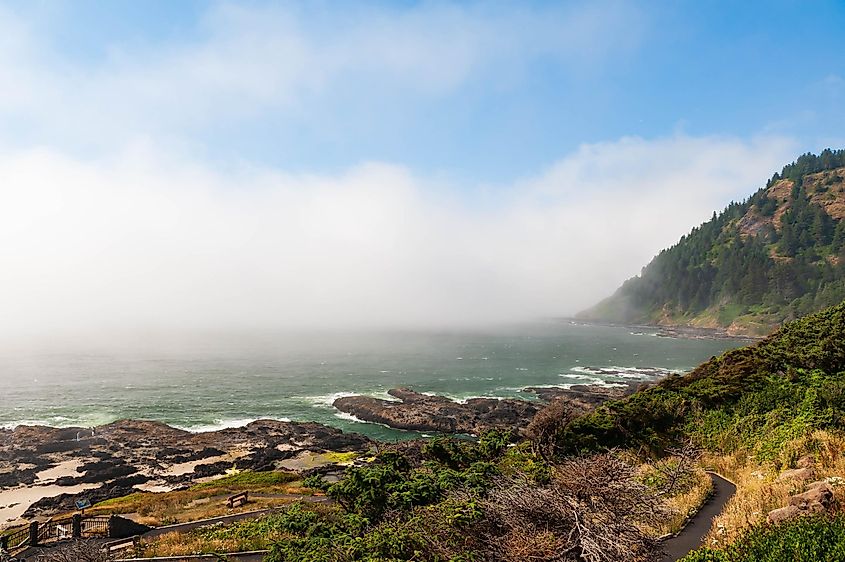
4, 542
33, 533
112, 525
76, 526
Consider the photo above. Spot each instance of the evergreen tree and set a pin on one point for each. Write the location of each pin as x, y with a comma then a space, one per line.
794, 264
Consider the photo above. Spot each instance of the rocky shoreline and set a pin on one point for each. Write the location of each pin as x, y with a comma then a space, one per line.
678, 331
417, 411
44, 470
587, 396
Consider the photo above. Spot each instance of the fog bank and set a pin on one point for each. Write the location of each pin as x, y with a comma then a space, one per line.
144, 243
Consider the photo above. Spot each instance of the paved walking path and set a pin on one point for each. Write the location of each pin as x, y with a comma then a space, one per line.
693, 534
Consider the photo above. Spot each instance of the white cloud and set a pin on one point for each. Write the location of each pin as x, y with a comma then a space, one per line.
137, 236
259, 60
143, 241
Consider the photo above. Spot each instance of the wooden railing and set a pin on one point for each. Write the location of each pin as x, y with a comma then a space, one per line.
58, 529
95, 526
37, 533
14, 540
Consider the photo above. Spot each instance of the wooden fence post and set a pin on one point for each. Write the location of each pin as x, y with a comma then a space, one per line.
33, 533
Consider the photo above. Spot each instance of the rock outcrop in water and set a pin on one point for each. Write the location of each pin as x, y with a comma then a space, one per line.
416, 411
422, 412
587, 395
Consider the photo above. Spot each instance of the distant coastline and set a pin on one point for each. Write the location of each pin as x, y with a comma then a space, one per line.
669, 331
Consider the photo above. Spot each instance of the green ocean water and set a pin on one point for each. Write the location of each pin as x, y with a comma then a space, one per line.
231, 381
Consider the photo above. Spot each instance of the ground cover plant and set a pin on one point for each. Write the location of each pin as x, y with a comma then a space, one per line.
451, 499
206, 499
599, 486
756, 398
807, 539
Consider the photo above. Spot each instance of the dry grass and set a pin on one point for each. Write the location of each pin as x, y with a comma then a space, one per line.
240, 536
176, 512
176, 544
758, 488
202, 501
683, 502
687, 503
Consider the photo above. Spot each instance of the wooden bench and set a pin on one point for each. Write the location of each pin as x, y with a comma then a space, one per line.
237, 500
122, 544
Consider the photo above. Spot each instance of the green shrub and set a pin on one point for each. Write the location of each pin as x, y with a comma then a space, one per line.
756, 398
806, 539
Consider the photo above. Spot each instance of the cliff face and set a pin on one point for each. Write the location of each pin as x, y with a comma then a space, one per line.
778, 255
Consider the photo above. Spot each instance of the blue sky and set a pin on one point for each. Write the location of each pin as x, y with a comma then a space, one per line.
174, 165
647, 69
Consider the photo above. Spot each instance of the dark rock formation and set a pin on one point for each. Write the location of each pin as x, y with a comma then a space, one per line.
588, 394
421, 412
127, 453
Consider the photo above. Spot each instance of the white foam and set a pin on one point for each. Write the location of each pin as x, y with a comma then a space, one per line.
217, 425
584, 378
617, 372
592, 382
465, 399
327, 400
384, 395
91, 420
349, 417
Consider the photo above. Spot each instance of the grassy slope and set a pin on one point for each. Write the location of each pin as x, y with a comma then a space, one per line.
756, 397
756, 411
203, 500
813, 539
773, 400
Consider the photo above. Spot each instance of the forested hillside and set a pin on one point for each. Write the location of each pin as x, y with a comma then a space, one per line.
754, 398
776, 256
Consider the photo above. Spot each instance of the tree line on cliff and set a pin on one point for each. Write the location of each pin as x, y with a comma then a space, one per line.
772, 260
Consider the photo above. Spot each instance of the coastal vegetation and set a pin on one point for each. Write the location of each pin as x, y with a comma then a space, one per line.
206, 499
752, 414
809, 539
755, 398
774, 257
452, 499
579, 485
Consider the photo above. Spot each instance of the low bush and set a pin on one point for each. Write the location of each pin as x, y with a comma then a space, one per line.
806, 539
755, 398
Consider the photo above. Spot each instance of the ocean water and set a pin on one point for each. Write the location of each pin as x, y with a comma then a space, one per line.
229, 382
